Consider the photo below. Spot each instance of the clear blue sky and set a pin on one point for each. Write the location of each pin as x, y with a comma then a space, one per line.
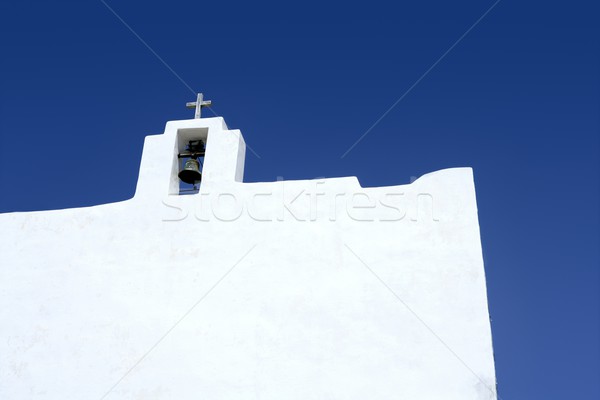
517, 99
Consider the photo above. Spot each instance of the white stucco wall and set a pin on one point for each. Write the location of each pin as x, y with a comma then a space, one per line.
313, 289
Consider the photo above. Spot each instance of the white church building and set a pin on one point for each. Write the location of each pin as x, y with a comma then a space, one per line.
225, 290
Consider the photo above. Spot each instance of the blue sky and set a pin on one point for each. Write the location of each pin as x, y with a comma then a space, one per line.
517, 99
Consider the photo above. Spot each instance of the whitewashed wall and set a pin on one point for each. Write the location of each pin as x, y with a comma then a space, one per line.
314, 289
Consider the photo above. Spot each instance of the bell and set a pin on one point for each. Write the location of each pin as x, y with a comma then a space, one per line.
191, 172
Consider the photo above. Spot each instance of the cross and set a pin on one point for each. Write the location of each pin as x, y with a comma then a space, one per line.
198, 104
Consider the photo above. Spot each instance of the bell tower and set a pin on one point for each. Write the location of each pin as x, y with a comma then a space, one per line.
204, 152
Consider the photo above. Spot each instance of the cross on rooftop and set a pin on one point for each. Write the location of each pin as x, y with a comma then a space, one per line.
198, 104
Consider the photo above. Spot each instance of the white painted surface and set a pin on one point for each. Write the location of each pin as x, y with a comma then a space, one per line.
242, 292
